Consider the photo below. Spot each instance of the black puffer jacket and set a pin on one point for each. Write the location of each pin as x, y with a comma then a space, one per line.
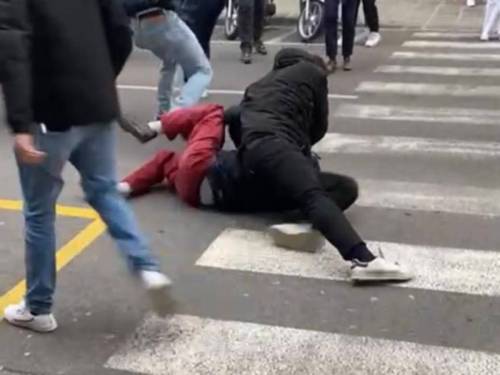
290, 102
59, 60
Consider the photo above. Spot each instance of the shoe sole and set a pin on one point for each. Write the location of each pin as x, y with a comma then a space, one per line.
309, 242
383, 277
161, 300
26, 326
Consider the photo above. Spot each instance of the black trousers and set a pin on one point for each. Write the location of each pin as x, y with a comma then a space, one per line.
287, 175
201, 17
371, 14
349, 8
251, 21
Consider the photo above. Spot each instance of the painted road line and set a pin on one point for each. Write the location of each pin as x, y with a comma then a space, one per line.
185, 344
419, 114
436, 268
446, 56
450, 44
64, 256
78, 212
444, 35
428, 89
278, 44
439, 70
401, 195
412, 146
224, 92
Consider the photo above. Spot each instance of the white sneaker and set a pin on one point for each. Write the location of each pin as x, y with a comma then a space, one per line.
124, 189
158, 287
205, 94
19, 316
379, 269
471, 3
484, 37
300, 237
373, 39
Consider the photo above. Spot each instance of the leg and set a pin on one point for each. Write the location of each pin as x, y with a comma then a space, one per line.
41, 185
258, 20
489, 19
162, 166
246, 22
371, 15
331, 27
286, 170
343, 190
189, 54
348, 26
165, 84
94, 159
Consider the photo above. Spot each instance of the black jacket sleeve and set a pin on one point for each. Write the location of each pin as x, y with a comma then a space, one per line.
320, 125
15, 63
232, 118
118, 32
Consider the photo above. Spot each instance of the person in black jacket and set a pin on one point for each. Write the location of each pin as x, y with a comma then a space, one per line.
59, 82
282, 116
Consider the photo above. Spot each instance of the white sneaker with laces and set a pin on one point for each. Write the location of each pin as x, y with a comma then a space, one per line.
299, 237
20, 316
158, 287
374, 38
379, 269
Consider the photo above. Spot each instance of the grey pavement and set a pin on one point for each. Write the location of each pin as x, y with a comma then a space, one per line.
429, 171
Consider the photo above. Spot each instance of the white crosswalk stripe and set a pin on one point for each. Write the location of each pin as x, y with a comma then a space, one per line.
439, 70
187, 344
449, 44
419, 114
485, 57
429, 89
443, 35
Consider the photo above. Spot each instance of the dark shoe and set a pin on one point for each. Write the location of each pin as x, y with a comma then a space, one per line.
260, 47
141, 132
246, 56
331, 66
347, 64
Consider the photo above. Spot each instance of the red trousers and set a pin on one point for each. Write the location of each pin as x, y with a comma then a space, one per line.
202, 127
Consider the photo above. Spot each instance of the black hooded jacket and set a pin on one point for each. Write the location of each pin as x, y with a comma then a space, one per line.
290, 102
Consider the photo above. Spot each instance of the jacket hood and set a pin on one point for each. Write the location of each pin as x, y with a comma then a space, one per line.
291, 56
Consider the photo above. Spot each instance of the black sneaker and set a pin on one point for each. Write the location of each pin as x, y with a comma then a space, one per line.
141, 132
260, 47
246, 56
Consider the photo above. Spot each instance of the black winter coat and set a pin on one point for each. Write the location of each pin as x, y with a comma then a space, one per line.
290, 102
59, 60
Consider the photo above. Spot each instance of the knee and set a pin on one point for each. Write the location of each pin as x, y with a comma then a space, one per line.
351, 189
96, 189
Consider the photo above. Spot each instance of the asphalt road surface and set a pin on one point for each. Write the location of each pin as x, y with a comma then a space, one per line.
417, 122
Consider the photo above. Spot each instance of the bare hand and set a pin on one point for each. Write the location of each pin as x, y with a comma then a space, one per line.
26, 150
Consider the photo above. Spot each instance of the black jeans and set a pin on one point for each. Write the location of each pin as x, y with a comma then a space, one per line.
250, 21
201, 17
348, 26
371, 14
286, 174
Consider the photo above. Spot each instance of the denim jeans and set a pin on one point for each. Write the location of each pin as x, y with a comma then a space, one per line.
91, 151
171, 40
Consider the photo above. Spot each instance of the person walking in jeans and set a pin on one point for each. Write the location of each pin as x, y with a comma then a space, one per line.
372, 21
70, 107
251, 26
159, 29
201, 17
348, 31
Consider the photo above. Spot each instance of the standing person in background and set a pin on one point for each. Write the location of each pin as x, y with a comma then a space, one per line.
491, 19
201, 16
63, 109
251, 26
372, 21
158, 28
348, 32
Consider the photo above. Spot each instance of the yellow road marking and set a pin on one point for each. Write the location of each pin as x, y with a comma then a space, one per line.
65, 254
79, 212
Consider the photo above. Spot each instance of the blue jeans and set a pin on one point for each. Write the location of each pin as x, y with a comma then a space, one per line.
91, 150
171, 40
